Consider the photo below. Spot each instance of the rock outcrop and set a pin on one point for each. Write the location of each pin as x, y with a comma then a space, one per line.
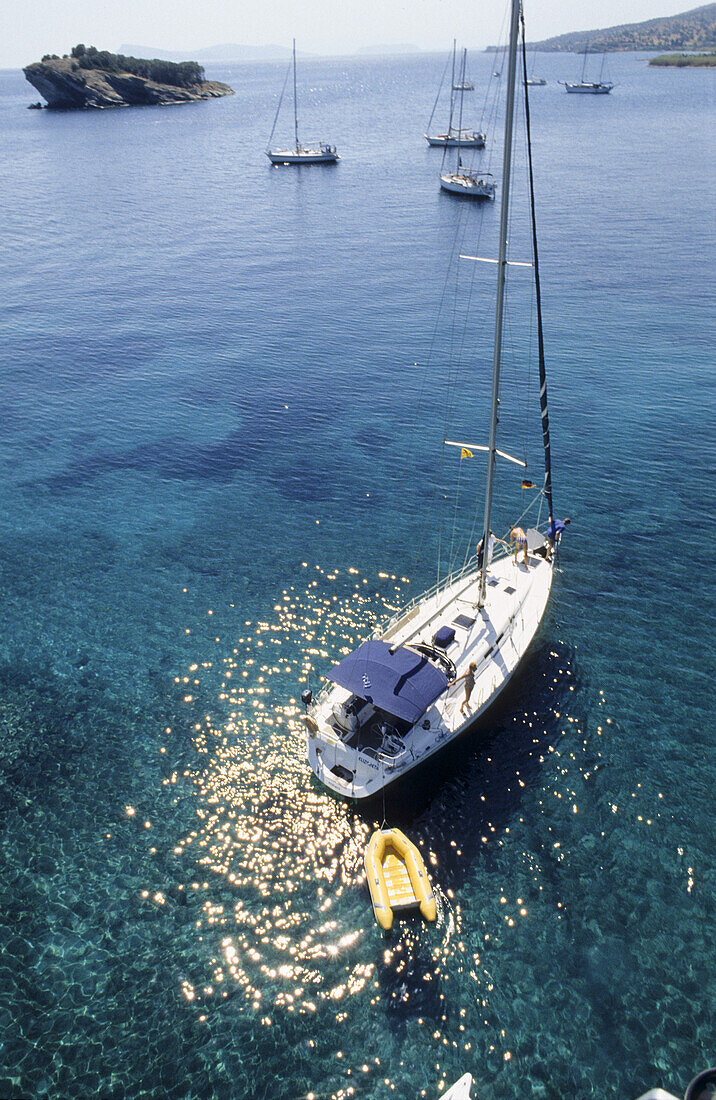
63, 83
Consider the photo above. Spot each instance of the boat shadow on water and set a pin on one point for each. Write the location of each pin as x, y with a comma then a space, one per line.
440, 807
409, 981
505, 744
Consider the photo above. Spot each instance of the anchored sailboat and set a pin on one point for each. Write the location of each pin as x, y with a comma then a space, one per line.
533, 81
469, 182
590, 87
454, 137
314, 152
401, 696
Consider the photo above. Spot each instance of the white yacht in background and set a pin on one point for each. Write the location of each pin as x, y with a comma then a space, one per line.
532, 80
589, 87
454, 137
464, 139
313, 152
400, 696
471, 183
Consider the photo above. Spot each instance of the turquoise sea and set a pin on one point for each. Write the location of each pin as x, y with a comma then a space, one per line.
223, 392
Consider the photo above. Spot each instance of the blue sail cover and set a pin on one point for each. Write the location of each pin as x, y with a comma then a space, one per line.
403, 683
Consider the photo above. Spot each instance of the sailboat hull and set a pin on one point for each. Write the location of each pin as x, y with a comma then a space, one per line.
589, 89
468, 141
305, 156
358, 763
469, 186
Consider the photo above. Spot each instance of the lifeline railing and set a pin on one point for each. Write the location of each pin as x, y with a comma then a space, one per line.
384, 628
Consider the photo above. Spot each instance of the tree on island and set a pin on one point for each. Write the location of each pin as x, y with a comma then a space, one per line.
182, 75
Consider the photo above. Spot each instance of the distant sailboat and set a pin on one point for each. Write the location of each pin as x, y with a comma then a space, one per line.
454, 138
315, 152
589, 87
468, 182
532, 80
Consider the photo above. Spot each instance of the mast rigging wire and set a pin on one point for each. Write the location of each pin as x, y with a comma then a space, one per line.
437, 97
280, 101
538, 295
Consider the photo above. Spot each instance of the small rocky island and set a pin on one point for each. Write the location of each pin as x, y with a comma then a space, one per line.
89, 77
686, 60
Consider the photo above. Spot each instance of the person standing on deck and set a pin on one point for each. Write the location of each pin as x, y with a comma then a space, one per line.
555, 528
469, 678
491, 540
519, 538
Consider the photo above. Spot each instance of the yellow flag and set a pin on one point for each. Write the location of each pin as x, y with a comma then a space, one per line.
464, 453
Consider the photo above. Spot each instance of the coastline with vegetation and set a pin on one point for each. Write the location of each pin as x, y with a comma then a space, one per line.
689, 30
92, 78
685, 60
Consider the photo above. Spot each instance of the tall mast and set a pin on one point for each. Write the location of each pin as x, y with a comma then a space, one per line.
501, 277
452, 86
538, 295
462, 93
295, 97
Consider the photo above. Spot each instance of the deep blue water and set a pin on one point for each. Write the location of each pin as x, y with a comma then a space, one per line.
223, 392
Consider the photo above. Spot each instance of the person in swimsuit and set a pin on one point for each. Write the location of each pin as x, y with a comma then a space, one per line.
519, 538
469, 678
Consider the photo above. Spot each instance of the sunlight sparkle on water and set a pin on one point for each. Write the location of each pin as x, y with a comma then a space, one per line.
282, 918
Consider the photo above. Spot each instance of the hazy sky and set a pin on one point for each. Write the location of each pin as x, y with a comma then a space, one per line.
29, 29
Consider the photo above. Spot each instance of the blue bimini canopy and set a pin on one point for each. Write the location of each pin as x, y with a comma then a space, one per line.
403, 683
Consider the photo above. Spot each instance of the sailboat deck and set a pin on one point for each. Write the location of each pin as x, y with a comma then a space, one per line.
378, 747
442, 662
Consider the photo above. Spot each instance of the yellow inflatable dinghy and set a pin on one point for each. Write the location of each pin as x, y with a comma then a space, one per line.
397, 878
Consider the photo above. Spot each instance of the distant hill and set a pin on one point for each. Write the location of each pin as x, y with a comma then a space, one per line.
234, 52
389, 49
692, 30
225, 52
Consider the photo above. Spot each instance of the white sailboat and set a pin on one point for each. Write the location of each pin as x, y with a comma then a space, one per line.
399, 698
533, 81
469, 182
312, 152
589, 87
454, 137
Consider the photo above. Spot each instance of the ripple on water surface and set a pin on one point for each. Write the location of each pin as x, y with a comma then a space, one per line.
185, 943
505, 820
